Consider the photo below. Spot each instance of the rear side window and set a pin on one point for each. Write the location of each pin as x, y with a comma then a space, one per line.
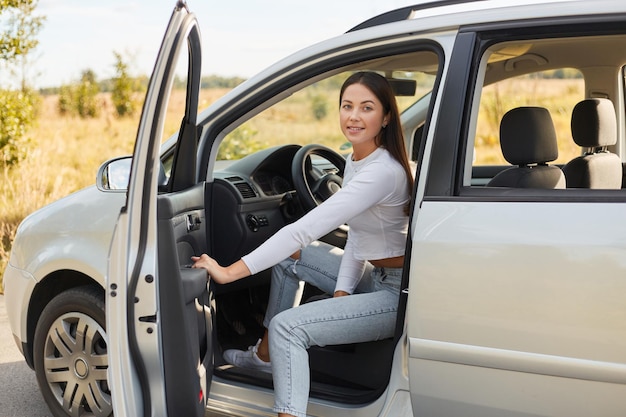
552, 76
556, 90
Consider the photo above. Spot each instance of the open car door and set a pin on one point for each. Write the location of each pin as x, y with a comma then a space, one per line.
157, 308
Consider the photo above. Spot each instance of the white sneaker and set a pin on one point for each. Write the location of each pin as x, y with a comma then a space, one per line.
247, 358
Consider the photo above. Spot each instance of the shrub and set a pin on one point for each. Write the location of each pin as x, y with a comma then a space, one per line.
238, 144
18, 110
86, 95
80, 98
66, 100
319, 106
123, 89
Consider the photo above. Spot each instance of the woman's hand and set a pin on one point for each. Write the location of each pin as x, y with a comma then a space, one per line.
206, 262
214, 270
340, 294
218, 273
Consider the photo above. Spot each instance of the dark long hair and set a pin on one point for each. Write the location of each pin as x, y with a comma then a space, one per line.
390, 137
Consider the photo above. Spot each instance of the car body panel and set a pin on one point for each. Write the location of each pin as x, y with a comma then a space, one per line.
60, 243
580, 266
565, 330
90, 229
20, 284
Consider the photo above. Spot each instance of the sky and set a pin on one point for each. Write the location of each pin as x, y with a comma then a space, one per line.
239, 37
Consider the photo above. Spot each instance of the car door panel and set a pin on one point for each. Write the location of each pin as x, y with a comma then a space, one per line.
185, 213
524, 290
184, 301
158, 307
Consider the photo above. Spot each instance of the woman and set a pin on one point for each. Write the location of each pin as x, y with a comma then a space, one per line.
373, 202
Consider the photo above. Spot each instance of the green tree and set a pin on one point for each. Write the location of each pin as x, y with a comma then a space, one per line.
86, 95
123, 88
66, 100
238, 144
319, 106
19, 36
17, 114
19, 27
80, 98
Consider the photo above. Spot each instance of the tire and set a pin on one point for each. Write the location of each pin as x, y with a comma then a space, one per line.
70, 355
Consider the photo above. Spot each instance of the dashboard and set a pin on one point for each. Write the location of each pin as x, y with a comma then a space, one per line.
253, 198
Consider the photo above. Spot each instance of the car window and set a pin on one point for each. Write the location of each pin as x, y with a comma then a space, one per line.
176, 103
176, 110
557, 90
310, 115
554, 75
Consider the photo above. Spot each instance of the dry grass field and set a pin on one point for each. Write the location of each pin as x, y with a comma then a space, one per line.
64, 155
65, 152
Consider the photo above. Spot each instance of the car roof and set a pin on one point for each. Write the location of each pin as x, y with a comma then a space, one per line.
429, 8
405, 13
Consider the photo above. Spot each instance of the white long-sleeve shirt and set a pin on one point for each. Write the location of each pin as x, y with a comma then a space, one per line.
371, 202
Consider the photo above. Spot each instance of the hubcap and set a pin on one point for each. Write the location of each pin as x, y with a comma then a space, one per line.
75, 360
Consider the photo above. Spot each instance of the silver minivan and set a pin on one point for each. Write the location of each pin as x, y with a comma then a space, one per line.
514, 290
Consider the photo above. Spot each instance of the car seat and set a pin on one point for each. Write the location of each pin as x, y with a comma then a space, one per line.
594, 128
528, 140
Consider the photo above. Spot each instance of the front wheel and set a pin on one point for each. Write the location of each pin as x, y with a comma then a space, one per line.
70, 355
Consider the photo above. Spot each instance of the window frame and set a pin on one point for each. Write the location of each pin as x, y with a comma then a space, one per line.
448, 165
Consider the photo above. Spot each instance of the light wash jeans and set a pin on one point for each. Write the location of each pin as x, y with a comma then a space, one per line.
367, 315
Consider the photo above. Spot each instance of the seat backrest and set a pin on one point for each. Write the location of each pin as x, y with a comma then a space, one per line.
528, 140
594, 128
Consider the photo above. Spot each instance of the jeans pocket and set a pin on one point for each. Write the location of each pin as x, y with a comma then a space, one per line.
388, 279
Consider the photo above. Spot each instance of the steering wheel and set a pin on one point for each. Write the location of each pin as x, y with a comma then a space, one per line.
311, 188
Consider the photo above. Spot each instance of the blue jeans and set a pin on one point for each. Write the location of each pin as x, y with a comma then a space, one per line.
367, 315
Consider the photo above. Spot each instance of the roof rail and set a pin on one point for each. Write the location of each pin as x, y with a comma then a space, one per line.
404, 13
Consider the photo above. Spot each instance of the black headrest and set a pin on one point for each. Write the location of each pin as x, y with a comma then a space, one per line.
527, 136
594, 123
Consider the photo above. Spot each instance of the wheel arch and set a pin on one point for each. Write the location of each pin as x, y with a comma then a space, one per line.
52, 285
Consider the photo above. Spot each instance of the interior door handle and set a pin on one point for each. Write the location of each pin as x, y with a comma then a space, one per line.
193, 222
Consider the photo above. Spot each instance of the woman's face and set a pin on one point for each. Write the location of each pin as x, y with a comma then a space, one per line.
361, 115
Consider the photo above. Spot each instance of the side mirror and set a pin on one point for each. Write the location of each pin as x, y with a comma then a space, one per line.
114, 174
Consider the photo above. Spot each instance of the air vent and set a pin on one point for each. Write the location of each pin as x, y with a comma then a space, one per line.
245, 190
234, 179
